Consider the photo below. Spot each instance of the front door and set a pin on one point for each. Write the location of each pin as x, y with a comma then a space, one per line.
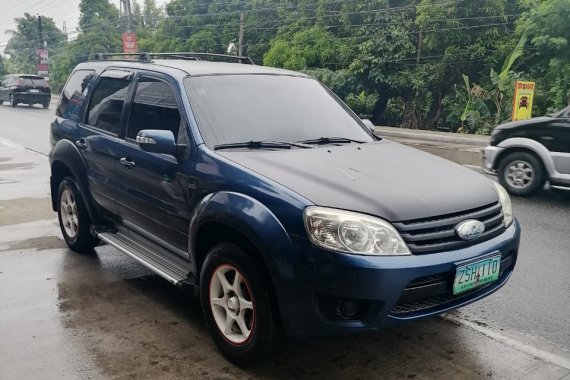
98, 135
560, 147
153, 193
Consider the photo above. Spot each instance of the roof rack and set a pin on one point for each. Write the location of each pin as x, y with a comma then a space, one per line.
147, 57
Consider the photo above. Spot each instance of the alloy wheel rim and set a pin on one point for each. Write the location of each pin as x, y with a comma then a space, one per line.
232, 304
69, 216
520, 174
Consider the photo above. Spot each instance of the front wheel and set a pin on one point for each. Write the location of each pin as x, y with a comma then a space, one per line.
236, 304
13, 102
73, 217
521, 173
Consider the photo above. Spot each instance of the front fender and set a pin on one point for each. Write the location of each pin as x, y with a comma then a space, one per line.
66, 154
540, 150
252, 219
261, 227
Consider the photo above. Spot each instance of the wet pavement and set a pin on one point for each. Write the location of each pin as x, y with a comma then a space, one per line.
102, 315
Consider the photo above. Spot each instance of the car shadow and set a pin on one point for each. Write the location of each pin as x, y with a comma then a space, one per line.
132, 323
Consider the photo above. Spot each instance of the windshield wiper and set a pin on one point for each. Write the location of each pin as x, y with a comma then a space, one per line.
261, 145
330, 140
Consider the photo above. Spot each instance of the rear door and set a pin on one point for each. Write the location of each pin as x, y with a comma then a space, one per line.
98, 137
153, 191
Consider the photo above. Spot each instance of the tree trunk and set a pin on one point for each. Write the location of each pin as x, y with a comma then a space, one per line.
435, 110
380, 107
411, 118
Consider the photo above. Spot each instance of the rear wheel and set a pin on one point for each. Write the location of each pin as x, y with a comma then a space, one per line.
237, 305
521, 173
73, 217
45, 105
13, 102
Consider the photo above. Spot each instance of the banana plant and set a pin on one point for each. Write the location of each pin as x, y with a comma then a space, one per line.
502, 80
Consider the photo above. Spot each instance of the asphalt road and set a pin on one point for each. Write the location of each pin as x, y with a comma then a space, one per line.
106, 316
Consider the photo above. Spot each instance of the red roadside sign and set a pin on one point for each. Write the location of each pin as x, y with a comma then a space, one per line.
129, 42
42, 65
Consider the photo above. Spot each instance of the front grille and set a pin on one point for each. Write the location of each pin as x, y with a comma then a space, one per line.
437, 234
437, 290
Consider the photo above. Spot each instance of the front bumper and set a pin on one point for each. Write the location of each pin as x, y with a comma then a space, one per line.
388, 289
489, 159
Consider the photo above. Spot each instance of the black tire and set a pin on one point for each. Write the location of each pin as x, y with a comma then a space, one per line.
528, 163
81, 240
13, 102
265, 335
45, 105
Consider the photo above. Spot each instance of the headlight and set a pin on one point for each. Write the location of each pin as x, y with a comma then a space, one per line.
505, 203
345, 231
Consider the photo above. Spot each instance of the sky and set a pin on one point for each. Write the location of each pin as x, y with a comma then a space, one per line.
60, 10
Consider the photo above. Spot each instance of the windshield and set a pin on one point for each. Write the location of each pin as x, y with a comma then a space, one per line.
238, 108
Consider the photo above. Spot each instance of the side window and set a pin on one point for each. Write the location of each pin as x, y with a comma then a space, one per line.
154, 107
73, 95
106, 104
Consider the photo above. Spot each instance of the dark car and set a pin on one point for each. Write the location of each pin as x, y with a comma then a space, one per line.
260, 190
525, 154
24, 88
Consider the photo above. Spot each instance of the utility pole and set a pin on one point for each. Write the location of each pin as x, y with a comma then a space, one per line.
126, 7
41, 32
241, 28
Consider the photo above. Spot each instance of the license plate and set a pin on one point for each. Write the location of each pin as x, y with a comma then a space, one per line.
34, 90
476, 274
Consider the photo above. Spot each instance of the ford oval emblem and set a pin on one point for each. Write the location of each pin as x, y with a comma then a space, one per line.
470, 229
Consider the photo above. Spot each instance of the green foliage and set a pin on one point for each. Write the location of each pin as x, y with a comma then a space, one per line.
26, 39
362, 103
3, 66
309, 48
401, 62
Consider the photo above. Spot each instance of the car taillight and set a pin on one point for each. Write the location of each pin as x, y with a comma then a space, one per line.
18, 83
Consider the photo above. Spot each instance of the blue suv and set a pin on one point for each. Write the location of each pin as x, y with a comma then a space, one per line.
262, 191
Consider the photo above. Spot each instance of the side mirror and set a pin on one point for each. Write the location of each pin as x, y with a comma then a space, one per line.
368, 124
159, 141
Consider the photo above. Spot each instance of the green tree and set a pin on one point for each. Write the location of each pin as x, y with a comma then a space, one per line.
100, 32
3, 66
26, 39
546, 23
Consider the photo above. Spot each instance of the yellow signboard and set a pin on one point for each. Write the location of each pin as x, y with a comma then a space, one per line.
522, 102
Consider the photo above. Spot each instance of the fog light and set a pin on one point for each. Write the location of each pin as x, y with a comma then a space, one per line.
348, 308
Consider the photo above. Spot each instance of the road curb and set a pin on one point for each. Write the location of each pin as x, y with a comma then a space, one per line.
453, 138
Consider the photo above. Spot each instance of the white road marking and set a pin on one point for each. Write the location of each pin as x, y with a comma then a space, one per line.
536, 352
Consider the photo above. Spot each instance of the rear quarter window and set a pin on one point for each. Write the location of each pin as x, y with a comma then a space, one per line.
73, 94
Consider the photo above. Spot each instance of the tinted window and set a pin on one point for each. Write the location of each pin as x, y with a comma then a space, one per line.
106, 104
238, 108
154, 107
73, 94
33, 81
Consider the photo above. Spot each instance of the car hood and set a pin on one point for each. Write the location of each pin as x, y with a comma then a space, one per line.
383, 178
520, 123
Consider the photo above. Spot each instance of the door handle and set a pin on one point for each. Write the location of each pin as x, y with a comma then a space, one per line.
128, 163
547, 138
81, 144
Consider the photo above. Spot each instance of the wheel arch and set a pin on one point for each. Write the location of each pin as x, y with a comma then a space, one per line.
246, 222
524, 145
66, 161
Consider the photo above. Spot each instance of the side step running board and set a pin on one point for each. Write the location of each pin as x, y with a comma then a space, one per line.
166, 264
